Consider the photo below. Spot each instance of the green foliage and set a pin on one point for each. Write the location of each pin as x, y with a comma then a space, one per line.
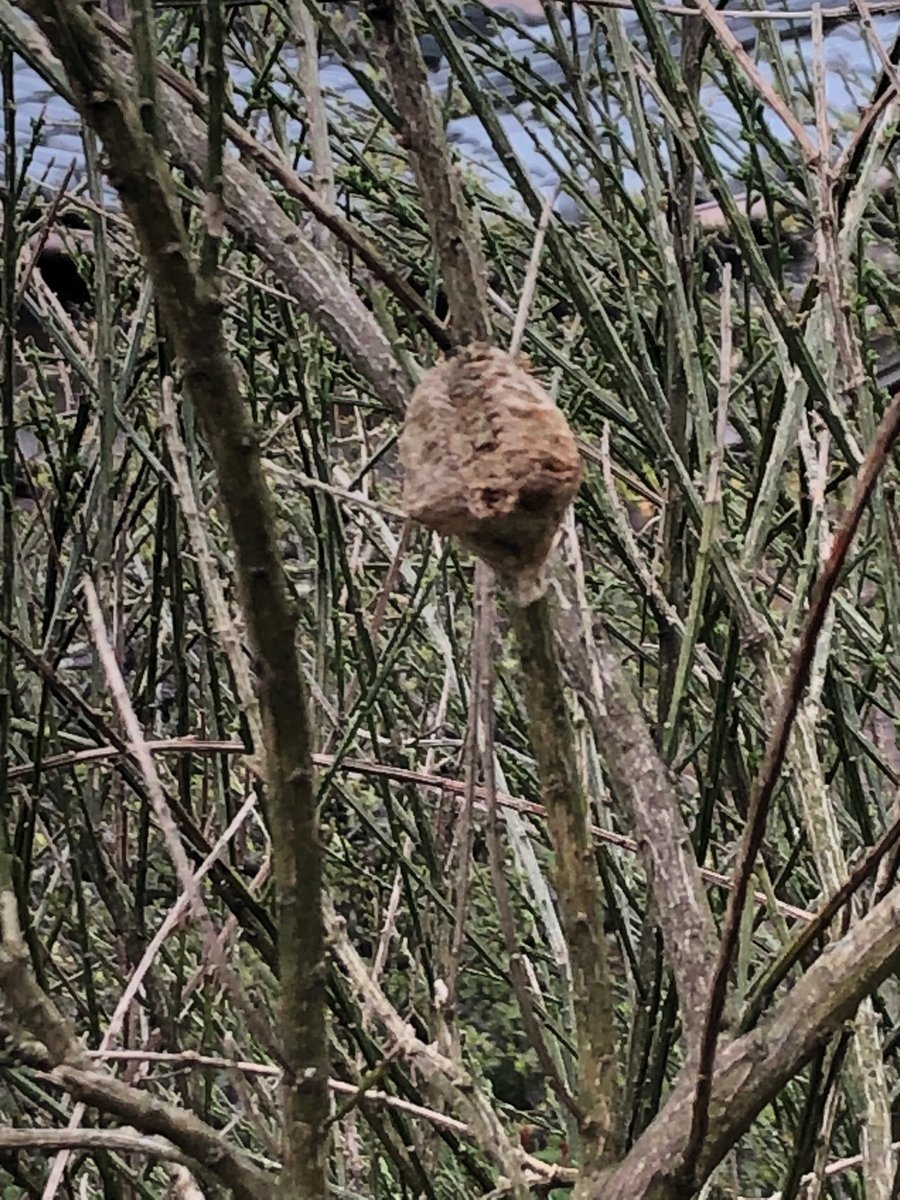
629, 334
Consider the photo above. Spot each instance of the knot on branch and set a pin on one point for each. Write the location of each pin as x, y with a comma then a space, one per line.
490, 459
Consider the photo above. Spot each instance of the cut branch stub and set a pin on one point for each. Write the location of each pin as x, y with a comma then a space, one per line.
490, 459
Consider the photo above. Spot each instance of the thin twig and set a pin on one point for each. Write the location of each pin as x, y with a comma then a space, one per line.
443, 783
454, 227
795, 685
483, 707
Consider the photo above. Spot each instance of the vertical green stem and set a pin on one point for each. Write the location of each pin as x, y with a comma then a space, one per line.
214, 85
577, 882
7, 447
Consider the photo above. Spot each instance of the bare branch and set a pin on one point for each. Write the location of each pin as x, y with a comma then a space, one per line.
770, 772
125, 1141
577, 879
751, 1070
193, 321
252, 214
642, 783
448, 1079
203, 1144
37, 1014
454, 228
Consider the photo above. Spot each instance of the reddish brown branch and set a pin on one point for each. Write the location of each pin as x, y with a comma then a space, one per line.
761, 799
